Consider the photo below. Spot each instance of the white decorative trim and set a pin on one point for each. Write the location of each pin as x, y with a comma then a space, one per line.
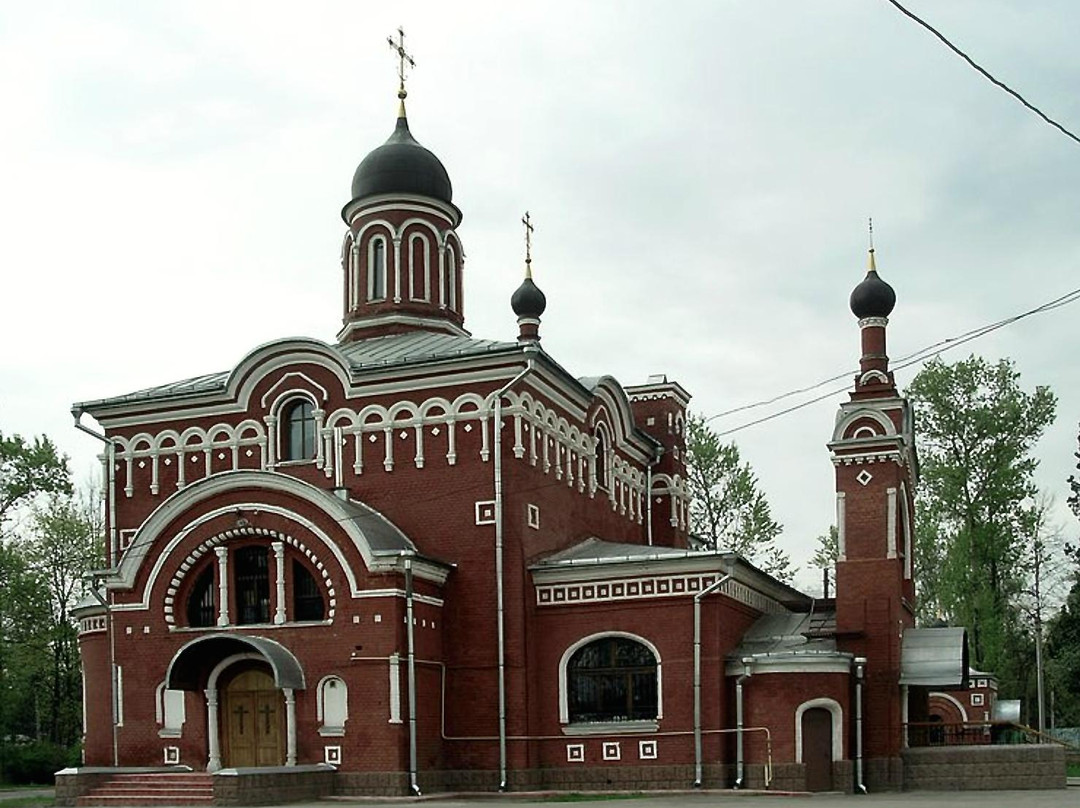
650, 587
171, 755
564, 701
873, 322
395, 689
532, 516
612, 750
978, 700
485, 512
863, 478
331, 682
92, 625
841, 526
872, 375
890, 515
837, 713
647, 750
575, 753
332, 755
952, 700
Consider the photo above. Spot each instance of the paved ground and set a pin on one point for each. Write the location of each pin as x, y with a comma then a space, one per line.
19, 793
726, 799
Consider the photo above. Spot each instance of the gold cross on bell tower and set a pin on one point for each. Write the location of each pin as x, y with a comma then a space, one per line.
527, 221
403, 60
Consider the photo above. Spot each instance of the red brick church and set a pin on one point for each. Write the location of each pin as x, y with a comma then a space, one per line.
424, 560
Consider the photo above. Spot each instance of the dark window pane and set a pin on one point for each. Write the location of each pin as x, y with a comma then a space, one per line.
307, 599
612, 679
252, 585
202, 602
300, 431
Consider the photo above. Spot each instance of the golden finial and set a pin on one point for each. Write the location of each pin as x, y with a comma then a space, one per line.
403, 59
873, 264
527, 221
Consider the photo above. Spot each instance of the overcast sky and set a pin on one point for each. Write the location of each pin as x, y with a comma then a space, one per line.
699, 173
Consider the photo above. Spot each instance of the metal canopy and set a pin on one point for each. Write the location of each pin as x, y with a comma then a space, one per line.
934, 657
192, 664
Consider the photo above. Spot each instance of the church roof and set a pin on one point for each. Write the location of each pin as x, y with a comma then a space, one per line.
362, 355
598, 551
788, 634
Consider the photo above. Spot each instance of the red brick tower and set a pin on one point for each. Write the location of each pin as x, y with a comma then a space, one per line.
401, 258
873, 451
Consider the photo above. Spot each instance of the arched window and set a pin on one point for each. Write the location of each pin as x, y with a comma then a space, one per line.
377, 269
601, 459
307, 599
612, 679
299, 443
202, 601
252, 580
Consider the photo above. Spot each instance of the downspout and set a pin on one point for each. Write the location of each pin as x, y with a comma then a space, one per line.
499, 609
740, 756
860, 670
411, 646
697, 672
648, 498
114, 550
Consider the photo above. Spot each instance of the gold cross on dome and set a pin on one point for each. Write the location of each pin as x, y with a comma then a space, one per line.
403, 59
527, 221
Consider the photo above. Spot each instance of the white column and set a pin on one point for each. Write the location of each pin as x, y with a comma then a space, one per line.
214, 763
841, 531
397, 270
222, 554
890, 494
395, 688
290, 726
271, 441
279, 569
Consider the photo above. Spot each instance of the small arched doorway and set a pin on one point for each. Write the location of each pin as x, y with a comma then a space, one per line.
817, 729
252, 717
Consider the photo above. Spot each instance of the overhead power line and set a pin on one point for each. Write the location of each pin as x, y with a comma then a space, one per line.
985, 73
916, 357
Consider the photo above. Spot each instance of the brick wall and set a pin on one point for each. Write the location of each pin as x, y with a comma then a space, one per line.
978, 768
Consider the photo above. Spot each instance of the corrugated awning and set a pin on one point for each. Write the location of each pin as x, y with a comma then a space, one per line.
192, 664
934, 657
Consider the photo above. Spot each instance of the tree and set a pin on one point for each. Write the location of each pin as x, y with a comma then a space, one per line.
825, 557
1074, 486
28, 469
64, 547
728, 510
977, 428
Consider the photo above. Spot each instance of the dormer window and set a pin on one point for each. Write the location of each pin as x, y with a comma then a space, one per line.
299, 443
377, 269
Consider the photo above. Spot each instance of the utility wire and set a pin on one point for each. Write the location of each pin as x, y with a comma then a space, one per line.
908, 360
986, 73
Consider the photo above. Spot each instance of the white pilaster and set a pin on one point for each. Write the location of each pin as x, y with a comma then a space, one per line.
279, 570
222, 554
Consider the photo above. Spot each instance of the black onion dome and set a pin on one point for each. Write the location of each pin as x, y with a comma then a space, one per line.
873, 297
402, 166
528, 300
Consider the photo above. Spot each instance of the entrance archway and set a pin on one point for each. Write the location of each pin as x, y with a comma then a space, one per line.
213, 664
251, 718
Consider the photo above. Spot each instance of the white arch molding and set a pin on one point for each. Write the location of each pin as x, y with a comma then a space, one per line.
837, 713
952, 700
564, 699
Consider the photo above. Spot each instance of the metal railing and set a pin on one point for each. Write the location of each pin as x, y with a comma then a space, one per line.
973, 733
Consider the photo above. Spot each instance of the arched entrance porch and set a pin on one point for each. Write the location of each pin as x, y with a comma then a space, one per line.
248, 683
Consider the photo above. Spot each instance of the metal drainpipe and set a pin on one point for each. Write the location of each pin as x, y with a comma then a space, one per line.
740, 762
114, 550
411, 646
697, 674
648, 498
499, 609
860, 670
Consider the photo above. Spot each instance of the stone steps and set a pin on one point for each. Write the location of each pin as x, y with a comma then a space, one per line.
152, 790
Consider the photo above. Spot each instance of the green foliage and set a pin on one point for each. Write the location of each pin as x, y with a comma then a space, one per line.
35, 762
826, 555
28, 469
728, 509
1074, 486
1063, 659
44, 555
976, 503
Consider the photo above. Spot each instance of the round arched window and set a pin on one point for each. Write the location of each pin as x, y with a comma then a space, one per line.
299, 422
612, 679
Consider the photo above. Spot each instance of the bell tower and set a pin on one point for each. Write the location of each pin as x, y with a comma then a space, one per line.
401, 258
873, 452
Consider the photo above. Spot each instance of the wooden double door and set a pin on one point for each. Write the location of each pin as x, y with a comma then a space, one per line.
252, 725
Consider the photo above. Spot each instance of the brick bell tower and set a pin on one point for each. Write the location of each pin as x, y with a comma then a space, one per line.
873, 451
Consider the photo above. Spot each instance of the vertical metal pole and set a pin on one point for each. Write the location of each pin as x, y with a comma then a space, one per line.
410, 639
860, 669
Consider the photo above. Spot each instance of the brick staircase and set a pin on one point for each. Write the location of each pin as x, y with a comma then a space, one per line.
153, 789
